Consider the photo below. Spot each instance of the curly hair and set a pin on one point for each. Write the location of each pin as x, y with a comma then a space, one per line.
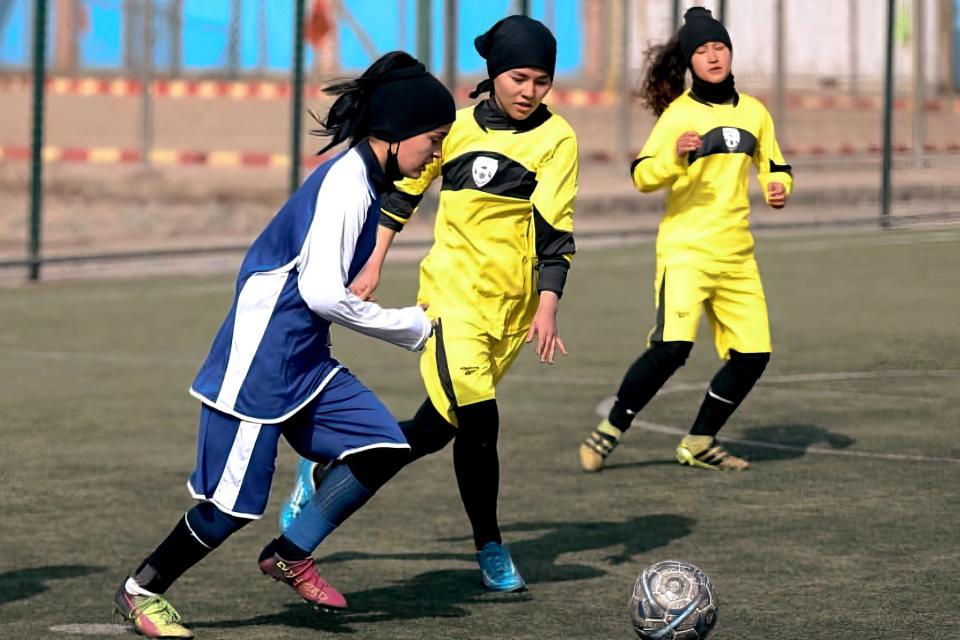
666, 75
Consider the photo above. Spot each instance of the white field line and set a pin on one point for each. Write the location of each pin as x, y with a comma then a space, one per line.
661, 428
682, 387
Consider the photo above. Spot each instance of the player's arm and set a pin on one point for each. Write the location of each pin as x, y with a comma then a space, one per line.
324, 268
553, 203
397, 206
773, 173
663, 157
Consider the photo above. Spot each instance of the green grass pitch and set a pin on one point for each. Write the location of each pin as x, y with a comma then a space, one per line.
845, 526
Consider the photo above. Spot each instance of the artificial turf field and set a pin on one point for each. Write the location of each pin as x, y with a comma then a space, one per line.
845, 526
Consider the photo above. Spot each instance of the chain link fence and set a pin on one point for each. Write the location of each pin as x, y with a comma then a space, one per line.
168, 122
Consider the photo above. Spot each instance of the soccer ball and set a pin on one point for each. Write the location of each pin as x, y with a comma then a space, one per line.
673, 600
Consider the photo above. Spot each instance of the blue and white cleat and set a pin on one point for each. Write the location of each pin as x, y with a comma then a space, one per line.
303, 489
497, 568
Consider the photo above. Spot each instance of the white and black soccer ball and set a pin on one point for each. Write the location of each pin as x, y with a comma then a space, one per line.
673, 600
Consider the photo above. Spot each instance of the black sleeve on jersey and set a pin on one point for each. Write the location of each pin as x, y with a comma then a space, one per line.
552, 247
782, 168
400, 205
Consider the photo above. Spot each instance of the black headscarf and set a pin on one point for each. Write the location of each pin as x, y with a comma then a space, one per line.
408, 102
699, 28
514, 42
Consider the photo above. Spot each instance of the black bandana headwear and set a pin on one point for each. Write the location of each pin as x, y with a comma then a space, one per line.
408, 102
514, 42
699, 28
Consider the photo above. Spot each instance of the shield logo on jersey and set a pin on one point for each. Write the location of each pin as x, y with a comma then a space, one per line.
731, 136
484, 169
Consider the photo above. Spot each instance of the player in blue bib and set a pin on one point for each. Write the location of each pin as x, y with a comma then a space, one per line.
270, 372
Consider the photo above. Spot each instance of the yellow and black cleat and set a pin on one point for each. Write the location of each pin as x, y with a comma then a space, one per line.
598, 445
704, 452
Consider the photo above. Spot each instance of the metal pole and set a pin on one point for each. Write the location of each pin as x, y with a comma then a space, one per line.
175, 22
450, 45
780, 111
723, 11
523, 7
296, 85
854, 45
424, 33
676, 15
36, 157
146, 79
233, 40
887, 120
919, 78
626, 135
402, 22
262, 37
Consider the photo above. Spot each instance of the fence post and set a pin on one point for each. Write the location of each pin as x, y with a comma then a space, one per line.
36, 157
780, 109
296, 87
146, 90
450, 45
424, 33
919, 80
887, 120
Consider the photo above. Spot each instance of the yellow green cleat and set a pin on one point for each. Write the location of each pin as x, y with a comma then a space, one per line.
152, 616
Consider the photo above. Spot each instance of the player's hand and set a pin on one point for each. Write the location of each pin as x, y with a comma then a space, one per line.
689, 141
365, 284
544, 328
776, 195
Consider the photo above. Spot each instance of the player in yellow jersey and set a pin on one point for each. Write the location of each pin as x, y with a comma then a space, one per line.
700, 152
494, 276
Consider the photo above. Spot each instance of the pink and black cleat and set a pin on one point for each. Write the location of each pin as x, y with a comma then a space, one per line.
303, 577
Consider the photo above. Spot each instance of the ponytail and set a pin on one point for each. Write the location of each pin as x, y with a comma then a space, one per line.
666, 74
349, 116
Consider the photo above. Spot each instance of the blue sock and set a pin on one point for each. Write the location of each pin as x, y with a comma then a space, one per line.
337, 497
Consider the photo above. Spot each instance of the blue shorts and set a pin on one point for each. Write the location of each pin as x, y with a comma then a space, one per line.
236, 459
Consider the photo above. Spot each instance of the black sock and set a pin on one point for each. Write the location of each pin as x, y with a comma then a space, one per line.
201, 530
727, 391
477, 468
645, 377
285, 549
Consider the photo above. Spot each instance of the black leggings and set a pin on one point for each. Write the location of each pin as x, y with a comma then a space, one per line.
475, 459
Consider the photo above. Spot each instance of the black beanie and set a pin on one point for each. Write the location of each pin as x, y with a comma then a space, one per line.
517, 41
408, 102
700, 27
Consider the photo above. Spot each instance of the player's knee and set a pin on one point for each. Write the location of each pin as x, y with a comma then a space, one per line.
428, 432
749, 365
211, 526
670, 355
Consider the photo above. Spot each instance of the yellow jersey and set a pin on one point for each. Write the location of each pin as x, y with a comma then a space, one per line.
706, 217
504, 226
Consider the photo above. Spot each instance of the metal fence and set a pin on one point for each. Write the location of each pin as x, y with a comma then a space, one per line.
168, 125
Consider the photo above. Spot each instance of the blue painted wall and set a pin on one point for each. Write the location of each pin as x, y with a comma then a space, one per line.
206, 25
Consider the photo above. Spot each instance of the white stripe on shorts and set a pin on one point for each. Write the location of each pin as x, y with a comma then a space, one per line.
228, 489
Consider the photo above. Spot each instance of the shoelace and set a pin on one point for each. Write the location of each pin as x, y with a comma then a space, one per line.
300, 572
156, 605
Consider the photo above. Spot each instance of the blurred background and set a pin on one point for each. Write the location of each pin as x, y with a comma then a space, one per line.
170, 131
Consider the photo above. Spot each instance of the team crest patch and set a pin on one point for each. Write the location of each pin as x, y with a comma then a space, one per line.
731, 137
483, 170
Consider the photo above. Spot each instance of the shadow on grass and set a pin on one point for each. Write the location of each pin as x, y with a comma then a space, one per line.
26, 583
773, 443
448, 592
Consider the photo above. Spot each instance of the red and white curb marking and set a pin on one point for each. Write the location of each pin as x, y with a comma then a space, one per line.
265, 90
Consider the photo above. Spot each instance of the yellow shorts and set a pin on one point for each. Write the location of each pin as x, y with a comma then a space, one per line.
730, 295
461, 364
